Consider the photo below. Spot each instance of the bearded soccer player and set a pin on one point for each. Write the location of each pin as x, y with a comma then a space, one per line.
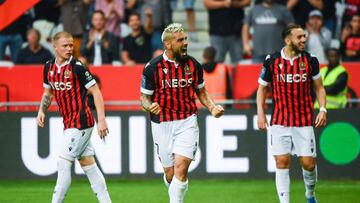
66, 79
292, 73
168, 88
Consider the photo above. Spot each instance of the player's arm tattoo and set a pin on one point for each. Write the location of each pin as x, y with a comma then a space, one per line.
145, 101
45, 102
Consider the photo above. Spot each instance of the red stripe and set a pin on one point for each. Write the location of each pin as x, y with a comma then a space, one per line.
181, 96
296, 93
196, 83
276, 93
303, 101
307, 93
78, 101
162, 91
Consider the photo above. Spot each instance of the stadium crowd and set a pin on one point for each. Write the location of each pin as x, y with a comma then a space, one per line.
108, 31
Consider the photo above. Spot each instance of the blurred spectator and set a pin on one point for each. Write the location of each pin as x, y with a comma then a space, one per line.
329, 15
350, 40
12, 36
98, 45
265, 18
33, 53
74, 16
160, 19
335, 80
225, 23
351, 8
209, 62
319, 37
190, 15
114, 12
47, 10
301, 9
137, 46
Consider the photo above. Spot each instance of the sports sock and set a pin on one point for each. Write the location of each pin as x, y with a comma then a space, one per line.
310, 179
177, 190
167, 184
63, 180
283, 185
97, 182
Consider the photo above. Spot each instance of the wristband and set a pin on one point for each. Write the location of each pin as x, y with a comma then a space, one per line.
323, 109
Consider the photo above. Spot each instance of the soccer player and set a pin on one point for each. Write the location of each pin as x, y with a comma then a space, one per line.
168, 87
292, 73
66, 79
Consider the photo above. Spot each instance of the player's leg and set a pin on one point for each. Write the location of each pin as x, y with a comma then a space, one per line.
218, 42
281, 145
305, 146
63, 180
163, 143
96, 178
185, 146
86, 154
179, 183
66, 158
168, 176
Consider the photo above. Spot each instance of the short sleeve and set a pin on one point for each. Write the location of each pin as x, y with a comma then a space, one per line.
85, 77
247, 19
46, 83
315, 70
265, 74
201, 82
147, 80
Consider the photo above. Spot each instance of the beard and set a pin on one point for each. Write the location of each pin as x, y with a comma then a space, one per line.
296, 48
179, 57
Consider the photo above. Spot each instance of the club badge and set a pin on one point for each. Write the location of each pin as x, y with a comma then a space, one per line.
67, 74
302, 65
187, 70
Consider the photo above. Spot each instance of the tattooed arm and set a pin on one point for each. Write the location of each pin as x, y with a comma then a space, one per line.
205, 99
44, 106
148, 105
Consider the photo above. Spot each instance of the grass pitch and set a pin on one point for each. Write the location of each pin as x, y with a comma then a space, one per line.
200, 191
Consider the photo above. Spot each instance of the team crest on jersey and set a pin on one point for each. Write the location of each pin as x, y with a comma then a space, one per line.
302, 65
280, 65
67, 74
187, 70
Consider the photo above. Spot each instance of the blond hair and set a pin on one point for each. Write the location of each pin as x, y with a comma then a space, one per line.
170, 29
59, 35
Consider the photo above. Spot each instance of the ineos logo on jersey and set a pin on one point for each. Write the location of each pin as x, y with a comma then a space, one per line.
176, 83
61, 86
291, 78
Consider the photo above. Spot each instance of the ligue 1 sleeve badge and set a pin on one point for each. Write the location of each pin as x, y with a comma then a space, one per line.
187, 70
67, 73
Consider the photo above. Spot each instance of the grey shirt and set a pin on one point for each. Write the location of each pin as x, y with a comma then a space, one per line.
268, 23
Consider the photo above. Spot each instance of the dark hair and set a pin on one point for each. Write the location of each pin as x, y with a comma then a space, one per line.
135, 14
287, 31
356, 14
332, 49
99, 12
209, 53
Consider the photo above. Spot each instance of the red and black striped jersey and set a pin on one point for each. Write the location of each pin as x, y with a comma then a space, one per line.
291, 85
172, 86
69, 83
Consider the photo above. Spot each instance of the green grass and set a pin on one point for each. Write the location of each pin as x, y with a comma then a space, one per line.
153, 191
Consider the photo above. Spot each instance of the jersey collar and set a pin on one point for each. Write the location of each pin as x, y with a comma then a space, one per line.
287, 58
166, 58
64, 64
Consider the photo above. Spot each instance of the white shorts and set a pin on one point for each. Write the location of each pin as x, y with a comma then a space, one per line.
299, 141
76, 144
175, 137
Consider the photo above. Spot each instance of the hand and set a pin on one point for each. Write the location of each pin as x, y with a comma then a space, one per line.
155, 108
247, 49
40, 119
227, 3
262, 122
102, 128
217, 111
105, 44
320, 120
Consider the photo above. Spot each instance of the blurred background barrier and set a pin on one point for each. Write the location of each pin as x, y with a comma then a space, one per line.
230, 147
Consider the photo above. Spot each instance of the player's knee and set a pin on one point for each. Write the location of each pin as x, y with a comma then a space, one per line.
169, 173
181, 171
282, 162
309, 164
86, 161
